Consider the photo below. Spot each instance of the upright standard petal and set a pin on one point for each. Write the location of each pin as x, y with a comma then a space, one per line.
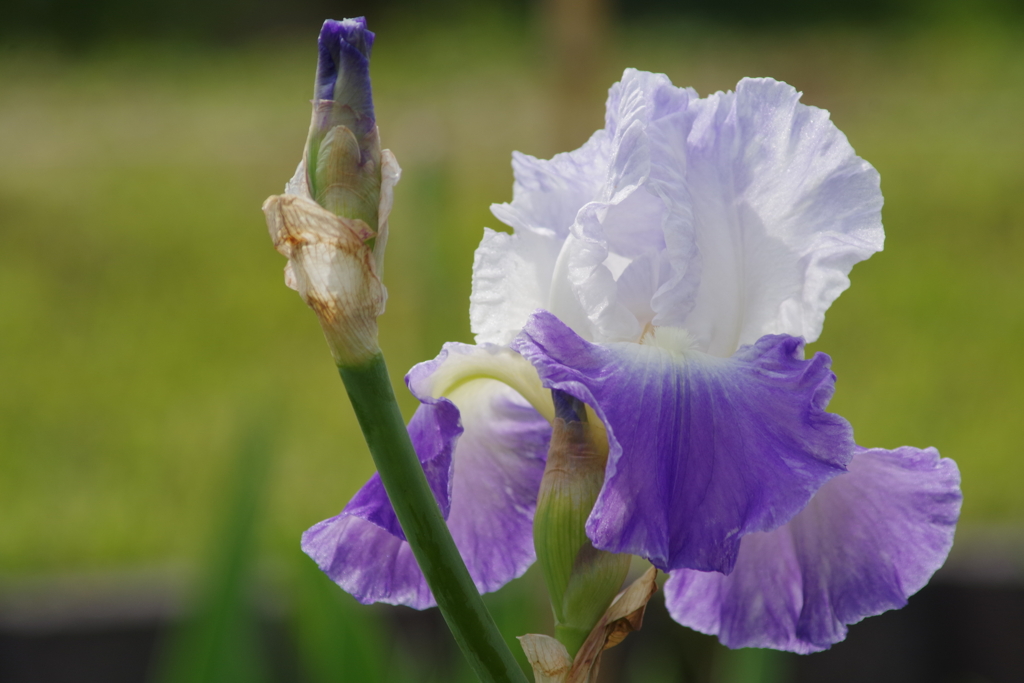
633, 260
597, 236
867, 541
733, 216
513, 274
512, 277
702, 450
783, 209
484, 475
548, 193
624, 228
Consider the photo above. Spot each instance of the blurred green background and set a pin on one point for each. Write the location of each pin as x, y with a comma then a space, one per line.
143, 313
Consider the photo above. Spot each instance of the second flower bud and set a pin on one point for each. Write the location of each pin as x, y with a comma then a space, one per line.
581, 580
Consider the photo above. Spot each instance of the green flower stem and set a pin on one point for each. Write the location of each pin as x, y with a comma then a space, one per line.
369, 388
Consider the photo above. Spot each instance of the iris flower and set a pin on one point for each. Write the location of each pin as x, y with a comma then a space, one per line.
668, 274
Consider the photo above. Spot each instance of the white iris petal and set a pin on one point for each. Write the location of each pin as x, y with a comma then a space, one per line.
733, 216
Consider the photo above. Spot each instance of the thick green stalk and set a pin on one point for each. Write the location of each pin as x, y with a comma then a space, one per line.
369, 387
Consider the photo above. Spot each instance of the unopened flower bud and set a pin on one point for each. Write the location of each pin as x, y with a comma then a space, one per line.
343, 149
332, 221
581, 580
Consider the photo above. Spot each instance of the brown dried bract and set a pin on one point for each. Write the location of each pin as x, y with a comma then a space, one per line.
550, 660
332, 265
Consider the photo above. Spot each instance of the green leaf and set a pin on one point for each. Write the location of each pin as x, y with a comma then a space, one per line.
219, 641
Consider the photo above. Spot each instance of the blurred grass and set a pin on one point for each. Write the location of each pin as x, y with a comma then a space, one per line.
219, 640
142, 305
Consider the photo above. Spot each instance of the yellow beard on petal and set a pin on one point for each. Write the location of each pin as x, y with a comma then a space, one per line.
675, 340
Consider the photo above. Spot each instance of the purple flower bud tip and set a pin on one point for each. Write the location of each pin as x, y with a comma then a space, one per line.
343, 150
344, 50
568, 407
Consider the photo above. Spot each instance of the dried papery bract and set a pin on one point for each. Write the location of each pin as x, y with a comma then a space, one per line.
333, 270
551, 661
548, 657
332, 264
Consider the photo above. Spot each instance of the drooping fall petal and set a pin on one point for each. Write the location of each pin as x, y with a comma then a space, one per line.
483, 449
868, 540
702, 450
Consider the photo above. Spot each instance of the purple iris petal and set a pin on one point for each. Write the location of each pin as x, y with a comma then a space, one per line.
499, 463
868, 539
702, 450
485, 479
367, 562
363, 549
433, 429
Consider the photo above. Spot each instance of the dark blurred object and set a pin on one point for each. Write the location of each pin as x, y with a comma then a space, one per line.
123, 652
949, 633
84, 23
86, 628
966, 626
802, 12
119, 653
